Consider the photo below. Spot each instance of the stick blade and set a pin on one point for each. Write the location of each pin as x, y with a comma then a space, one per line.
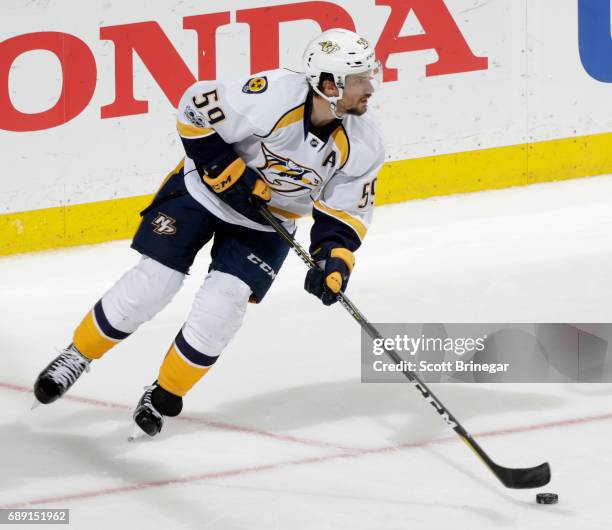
524, 478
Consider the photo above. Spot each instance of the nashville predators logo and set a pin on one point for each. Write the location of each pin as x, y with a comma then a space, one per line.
363, 43
164, 225
286, 176
255, 85
329, 47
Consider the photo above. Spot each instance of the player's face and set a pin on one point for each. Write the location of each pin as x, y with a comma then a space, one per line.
357, 90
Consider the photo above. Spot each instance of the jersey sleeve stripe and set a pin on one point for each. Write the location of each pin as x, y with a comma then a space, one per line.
342, 143
291, 116
353, 222
284, 213
191, 131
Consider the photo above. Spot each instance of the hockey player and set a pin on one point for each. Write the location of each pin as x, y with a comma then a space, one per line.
298, 142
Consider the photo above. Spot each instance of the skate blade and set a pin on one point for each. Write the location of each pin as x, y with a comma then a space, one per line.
136, 434
35, 404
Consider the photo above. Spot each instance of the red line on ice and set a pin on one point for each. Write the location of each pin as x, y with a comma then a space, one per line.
345, 454
190, 419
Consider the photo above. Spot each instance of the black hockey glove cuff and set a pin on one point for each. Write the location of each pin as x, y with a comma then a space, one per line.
335, 265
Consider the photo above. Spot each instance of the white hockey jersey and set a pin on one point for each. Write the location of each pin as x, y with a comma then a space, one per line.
267, 120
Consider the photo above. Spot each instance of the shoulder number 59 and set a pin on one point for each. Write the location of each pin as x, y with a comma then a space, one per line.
367, 197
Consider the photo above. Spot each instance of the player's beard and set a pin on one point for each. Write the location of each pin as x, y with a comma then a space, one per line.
358, 109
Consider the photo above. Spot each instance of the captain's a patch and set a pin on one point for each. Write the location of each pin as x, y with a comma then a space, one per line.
255, 85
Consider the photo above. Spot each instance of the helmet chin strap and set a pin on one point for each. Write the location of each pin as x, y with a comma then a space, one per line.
332, 100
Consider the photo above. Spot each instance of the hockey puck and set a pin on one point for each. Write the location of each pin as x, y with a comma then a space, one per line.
547, 498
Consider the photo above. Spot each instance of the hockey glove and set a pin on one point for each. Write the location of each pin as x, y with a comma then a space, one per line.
332, 274
239, 186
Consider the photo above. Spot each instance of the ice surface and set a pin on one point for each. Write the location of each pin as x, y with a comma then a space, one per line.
281, 434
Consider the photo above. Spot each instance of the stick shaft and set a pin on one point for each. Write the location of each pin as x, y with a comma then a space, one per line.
371, 330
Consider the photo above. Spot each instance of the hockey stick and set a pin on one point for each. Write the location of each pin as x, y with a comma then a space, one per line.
518, 478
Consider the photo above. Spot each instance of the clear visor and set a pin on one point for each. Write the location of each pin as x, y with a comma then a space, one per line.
368, 81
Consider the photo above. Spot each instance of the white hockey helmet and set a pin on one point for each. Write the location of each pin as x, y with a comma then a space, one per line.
339, 52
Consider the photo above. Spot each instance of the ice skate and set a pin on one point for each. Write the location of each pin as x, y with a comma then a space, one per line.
53, 382
154, 404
